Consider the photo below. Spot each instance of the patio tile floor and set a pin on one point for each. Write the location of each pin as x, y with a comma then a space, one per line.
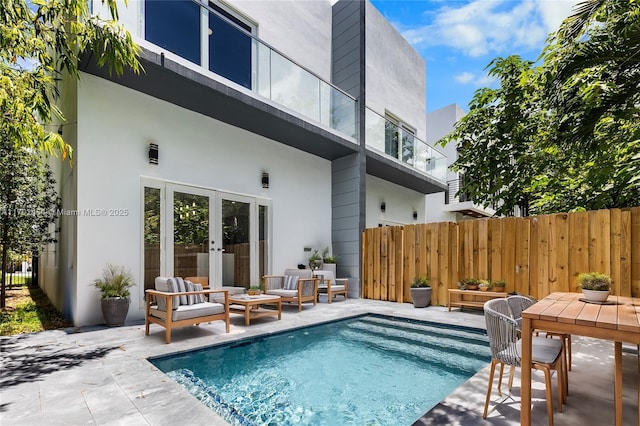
100, 376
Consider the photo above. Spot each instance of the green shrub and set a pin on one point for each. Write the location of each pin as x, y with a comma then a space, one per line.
594, 281
419, 282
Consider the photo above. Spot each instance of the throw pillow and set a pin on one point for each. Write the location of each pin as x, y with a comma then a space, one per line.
183, 298
199, 297
290, 282
191, 298
173, 288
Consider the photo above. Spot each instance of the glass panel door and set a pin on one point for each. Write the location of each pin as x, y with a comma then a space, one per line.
239, 254
190, 254
152, 236
214, 238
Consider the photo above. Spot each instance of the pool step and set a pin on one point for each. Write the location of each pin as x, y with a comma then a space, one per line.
428, 334
462, 350
441, 360
470, 336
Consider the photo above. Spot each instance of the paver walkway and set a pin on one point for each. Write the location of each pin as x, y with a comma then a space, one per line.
100, 376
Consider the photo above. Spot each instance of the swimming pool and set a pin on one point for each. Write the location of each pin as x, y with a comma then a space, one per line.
368, 370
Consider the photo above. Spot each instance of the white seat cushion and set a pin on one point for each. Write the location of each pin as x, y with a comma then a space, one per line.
545, 352
219, 297
283, 293
191, 311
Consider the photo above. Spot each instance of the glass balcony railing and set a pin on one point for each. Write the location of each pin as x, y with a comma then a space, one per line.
398, 143
226, 46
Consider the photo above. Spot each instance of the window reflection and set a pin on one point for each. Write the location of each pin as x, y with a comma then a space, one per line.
175, 26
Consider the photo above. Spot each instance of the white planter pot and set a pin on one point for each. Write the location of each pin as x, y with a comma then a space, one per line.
595, 295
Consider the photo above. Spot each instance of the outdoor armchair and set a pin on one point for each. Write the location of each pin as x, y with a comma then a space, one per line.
331, 285
294, 286
178, 303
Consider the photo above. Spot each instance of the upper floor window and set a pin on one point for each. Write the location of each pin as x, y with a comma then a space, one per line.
175, 25
229, 47
399, 139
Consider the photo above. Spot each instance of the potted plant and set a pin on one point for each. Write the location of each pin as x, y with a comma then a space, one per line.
329, 261
484, 285
499, 286
595, 286
114, 301
315, 260
254, 290
421, 292
469, 284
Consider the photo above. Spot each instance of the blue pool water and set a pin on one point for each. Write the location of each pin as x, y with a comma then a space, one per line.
369, 370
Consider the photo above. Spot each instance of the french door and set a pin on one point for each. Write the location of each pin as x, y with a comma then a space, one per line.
216, 237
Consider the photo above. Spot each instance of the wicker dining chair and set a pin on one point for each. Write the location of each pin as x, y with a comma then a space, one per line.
502, 331
517, 304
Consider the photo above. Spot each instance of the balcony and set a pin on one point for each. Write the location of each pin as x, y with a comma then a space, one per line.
395, 154
461, 202
199, 58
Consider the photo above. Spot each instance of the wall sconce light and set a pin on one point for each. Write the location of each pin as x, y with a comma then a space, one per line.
153, 153
265, 180
415, 215
383, 207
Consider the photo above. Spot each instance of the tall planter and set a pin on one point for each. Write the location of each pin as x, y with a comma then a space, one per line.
330, 267
114, 310
421, 296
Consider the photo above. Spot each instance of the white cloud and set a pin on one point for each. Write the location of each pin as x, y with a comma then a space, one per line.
491, 27
464, 77
469, 78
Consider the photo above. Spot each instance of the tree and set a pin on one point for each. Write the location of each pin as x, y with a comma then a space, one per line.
592, 69
565, 135
36, 47
496, 139
28, 203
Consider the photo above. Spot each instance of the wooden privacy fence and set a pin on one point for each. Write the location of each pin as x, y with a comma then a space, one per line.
535, 255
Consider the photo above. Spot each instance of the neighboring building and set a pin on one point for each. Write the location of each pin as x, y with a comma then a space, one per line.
277, 127
450, 206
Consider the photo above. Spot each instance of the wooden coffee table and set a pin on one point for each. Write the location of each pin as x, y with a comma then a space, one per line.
249, 306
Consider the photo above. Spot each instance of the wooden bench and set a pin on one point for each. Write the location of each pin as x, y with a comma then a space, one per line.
472, 298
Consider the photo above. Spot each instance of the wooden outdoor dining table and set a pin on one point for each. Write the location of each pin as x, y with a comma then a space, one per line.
619, 321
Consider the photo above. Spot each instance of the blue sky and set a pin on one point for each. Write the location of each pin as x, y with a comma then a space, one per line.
458, 38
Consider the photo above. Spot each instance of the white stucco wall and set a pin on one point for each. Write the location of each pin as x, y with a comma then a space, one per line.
434, 211
57, 276
400, 204
299, 29
115, 126
440, 123
395, 73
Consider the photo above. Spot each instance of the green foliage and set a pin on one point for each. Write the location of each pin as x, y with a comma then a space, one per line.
30, 311
594, 281
115, 282
315, 256
28, 204
563, 136
38, 45
499, 283
464, 283
485, 284
328, 258
419, 282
